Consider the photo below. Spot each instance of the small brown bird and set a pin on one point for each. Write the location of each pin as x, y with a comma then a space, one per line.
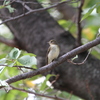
53, 51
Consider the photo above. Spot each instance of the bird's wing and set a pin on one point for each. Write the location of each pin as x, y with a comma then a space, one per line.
47, 55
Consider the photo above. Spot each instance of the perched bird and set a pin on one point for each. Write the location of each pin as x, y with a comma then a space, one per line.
53, 51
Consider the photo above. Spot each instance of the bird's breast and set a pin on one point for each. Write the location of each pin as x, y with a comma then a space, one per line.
54, 52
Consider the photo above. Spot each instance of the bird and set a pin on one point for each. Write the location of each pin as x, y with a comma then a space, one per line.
53, 51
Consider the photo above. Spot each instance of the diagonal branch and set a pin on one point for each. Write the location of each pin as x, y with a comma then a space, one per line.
8, 42
54, 64
24, 5
38, 94
33, 11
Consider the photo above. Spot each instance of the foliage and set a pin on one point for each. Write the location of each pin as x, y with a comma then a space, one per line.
7, 5
96, 6
7, 64
14, 63
90, 23
20, 58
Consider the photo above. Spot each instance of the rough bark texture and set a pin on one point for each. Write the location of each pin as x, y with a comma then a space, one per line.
32, 33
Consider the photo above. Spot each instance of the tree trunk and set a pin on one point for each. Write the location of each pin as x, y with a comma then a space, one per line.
32, 32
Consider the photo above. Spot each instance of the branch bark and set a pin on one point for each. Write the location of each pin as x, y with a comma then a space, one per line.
37, 94
33, 11
79, 26
9, 42
54, 64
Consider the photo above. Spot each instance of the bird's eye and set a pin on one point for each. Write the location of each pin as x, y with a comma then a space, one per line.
51, 41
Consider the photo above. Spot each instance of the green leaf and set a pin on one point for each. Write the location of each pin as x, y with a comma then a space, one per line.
4, 3
11, 10
27, 60
2, 6
98, 9
3, 83
2, 61
30, 54
88, 13
1, 68
34, 66
75, 57
36, 77
14, 54
8, 6
3, 56
9, 63
63, 0
43, 85
12, 64
15, 95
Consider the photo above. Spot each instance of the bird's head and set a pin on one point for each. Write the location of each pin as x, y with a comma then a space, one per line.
52, 42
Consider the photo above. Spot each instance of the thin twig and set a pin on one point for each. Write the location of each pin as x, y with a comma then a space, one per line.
70, 95
9, 3
24, 5
79, 27
21, 67
88, 89
38, 94
56, 78
36, 3
70, 61
35, 10
3, 87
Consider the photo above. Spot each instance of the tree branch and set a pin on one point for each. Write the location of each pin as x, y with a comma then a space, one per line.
38, 94
33, 11
8, 42
54, 64
21, 67
79, 27
24, 5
